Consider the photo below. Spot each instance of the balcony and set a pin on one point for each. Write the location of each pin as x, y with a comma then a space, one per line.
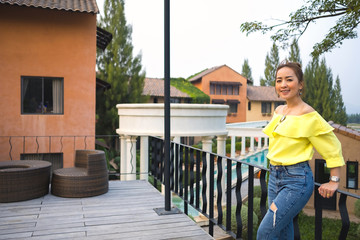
199, 177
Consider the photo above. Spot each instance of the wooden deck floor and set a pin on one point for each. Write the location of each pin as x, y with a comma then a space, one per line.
125, 212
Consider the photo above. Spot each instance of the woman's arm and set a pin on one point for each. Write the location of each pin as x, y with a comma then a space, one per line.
327, 190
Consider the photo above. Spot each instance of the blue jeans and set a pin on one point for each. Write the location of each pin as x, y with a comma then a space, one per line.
289, 188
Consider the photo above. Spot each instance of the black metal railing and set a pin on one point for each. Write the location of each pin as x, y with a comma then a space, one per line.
23, 147
189, 168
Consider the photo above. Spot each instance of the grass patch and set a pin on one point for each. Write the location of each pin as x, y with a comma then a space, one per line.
331, 228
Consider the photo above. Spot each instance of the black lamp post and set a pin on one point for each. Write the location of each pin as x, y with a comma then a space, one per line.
167, 103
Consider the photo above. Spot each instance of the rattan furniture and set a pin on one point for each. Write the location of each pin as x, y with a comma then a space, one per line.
88, 178
24, 180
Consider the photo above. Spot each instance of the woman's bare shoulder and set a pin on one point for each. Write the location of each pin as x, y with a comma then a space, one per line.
280, 109
307, 109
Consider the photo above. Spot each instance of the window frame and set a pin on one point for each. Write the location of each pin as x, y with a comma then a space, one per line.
43, 79
356, 174
266, 106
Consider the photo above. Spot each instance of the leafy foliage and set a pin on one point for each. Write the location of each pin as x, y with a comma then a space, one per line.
347, 13
295, 52
196, 94
321, 94
354, 118
271, 63
117, 66
246, 71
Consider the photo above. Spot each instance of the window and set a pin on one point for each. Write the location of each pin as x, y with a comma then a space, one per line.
42, 95
218, 89
236, 90
230, 90
224, 88
175, 100
266, 107
249, 106
276, 104
233, 105
352, 169
212, 88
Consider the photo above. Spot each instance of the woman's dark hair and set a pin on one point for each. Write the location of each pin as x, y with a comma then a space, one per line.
296, 67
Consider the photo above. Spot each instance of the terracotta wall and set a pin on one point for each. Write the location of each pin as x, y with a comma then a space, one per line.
351, 151
47, 43
226, 74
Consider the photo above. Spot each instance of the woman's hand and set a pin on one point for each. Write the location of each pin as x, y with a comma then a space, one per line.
327, 190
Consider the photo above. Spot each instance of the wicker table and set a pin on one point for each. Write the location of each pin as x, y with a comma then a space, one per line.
24, 180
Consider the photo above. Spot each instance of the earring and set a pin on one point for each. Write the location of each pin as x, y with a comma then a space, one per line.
300, 92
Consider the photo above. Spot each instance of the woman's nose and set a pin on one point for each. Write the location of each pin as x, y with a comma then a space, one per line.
283, 84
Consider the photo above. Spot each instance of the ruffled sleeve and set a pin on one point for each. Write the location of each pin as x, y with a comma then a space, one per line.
268, 130
304, 126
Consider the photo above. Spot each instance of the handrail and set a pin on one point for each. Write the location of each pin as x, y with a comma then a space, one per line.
187, 159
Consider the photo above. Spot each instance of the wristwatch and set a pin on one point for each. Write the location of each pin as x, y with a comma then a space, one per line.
334, 179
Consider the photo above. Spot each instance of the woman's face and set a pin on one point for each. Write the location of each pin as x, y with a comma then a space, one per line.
287, 85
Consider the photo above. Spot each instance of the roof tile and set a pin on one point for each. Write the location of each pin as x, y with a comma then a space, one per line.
345, 130
155, 87
89, 6
262, 93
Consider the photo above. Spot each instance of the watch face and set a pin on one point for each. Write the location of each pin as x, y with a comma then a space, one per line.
334, 179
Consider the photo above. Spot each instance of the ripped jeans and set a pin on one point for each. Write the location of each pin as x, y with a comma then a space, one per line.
289, 188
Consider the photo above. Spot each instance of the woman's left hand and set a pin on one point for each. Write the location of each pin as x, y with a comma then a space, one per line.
327, 190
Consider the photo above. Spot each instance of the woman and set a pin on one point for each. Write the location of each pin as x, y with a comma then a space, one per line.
293, 132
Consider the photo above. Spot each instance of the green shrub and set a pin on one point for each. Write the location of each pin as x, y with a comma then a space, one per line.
357, 208
228, 147
238, 146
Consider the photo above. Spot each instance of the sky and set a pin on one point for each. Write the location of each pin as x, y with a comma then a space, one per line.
206, 33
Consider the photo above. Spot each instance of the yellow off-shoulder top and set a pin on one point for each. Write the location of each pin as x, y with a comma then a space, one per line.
293, 140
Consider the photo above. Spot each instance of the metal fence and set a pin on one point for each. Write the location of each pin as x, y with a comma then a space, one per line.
196, 175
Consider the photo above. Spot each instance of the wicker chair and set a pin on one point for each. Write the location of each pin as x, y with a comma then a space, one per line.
24, 180
88, 178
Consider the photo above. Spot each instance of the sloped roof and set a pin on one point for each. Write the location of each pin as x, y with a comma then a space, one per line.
88, 6
155, 87
262, 93
345, 130
203, 73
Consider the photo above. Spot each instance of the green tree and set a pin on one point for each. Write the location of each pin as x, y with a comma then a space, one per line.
354, 118
340, 109
246, 71
347, 13
319, 91
271, 63
118, 66
295, 52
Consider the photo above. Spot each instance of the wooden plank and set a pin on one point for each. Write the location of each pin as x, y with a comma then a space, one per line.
125, 212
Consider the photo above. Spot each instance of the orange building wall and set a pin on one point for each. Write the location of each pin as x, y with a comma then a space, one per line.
226, 74
351, 152
47, 43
